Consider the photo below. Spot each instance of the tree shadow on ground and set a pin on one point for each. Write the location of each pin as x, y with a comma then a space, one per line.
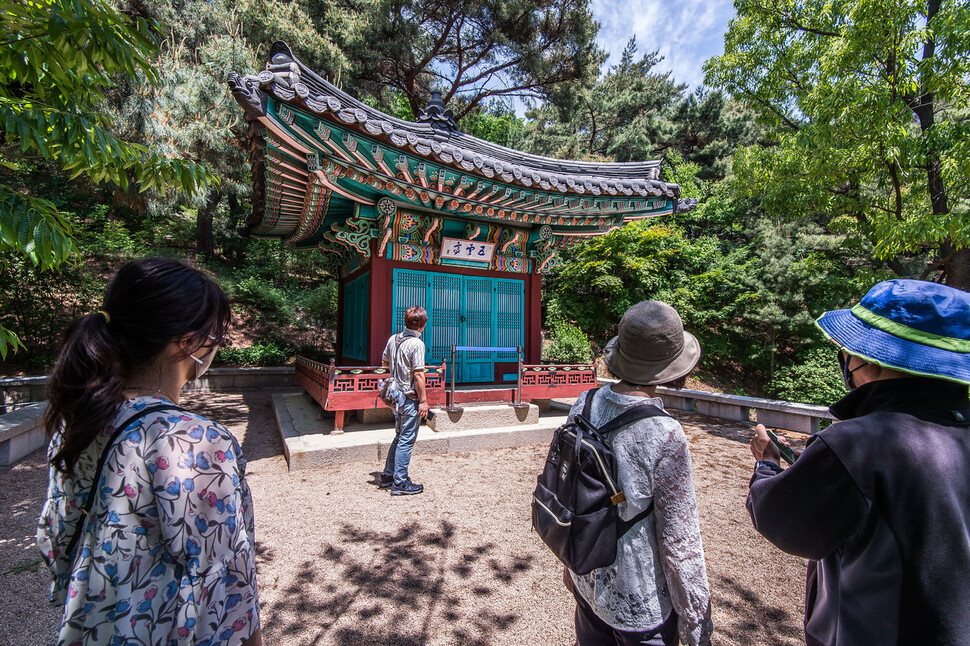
753, 621
252, 409
398, 587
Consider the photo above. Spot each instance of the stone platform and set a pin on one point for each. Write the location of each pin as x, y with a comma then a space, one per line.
308, 441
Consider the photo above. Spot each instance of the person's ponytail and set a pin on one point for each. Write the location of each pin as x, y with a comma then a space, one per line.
84, 388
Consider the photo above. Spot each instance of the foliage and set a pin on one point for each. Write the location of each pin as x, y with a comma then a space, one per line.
814, 379
493, 122
632, 113
257, 354
318, 32
490, 120
56, 66
472, 50
706, 128
263, 298
319, 306
43, 303
619, 117
865, 102
567, 344
57, 58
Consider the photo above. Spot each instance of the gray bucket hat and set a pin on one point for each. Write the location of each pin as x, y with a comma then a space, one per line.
652, 346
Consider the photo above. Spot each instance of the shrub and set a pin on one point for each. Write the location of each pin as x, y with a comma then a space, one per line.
813, 380
319, 306
568, 344
267, 300
258, 354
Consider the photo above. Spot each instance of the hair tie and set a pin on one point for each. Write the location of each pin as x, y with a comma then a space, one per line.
107, 317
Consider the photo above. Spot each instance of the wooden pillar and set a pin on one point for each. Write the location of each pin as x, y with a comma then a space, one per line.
338, 347
379, 308
533, 319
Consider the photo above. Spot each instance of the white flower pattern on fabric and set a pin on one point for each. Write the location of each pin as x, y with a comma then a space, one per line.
168, 554
660, 561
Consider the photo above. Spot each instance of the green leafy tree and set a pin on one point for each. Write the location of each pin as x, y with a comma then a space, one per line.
865, 102
57, 58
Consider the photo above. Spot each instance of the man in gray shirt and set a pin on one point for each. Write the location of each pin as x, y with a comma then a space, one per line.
404, 355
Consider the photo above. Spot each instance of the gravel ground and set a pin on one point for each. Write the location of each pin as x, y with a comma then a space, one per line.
343, 563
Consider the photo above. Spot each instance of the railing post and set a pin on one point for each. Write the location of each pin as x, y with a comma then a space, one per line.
452, 407
518, 382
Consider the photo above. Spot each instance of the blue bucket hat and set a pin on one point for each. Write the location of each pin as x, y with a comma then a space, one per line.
913, 326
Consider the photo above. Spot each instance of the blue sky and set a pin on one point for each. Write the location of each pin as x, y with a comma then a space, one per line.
686, 32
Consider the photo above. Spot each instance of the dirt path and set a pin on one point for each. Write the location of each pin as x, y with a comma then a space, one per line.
343, 563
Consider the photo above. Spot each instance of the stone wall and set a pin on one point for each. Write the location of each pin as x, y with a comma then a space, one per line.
22, 428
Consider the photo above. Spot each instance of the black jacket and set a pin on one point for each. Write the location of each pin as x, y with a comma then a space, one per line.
880, 503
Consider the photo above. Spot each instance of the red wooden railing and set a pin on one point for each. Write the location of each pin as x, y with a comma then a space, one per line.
343, 388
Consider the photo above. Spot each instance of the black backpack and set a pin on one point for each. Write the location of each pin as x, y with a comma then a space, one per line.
574, 506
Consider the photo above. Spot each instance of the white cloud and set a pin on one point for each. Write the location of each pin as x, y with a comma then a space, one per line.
686, 32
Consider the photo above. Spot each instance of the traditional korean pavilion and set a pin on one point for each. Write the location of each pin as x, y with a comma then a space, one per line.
421, 214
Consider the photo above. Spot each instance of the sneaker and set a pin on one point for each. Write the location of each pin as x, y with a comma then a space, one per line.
386, 481
406, 488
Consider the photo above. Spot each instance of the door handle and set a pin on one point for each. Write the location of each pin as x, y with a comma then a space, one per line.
463, 319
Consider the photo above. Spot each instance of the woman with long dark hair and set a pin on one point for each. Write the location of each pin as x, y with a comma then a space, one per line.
148, 524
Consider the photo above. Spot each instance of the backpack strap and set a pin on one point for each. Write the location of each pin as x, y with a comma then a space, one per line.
588, 405
399, 340
104, 456
623, 526
629, 416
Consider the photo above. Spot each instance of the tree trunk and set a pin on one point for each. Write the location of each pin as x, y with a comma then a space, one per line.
203, 224
957, 269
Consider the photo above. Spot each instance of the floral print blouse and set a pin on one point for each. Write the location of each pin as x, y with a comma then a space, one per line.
167, 556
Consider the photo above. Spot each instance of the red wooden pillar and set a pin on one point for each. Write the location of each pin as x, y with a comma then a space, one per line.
338, 344
532, 335
379, 308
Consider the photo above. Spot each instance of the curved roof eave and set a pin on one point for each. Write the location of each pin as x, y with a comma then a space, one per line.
289, 80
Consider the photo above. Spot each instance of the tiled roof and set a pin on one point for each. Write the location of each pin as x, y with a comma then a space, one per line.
290, 81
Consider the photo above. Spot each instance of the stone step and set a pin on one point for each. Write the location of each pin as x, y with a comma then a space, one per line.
309, 444
474, 416
494, 395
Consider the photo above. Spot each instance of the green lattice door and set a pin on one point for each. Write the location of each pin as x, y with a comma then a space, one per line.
466, 311
354, 341
478, 319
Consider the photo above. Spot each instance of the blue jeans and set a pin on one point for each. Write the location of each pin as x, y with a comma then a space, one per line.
406, 422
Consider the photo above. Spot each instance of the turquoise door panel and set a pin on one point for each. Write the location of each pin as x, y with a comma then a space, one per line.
463, 310
444, 318
410, 290
509, 317
354, 342
479, 305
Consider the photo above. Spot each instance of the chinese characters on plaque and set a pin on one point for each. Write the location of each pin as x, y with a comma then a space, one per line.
467, 249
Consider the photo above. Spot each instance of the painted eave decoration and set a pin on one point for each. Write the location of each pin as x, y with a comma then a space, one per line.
332, 173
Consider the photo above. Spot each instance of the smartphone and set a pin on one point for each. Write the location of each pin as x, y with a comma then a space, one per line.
787, 454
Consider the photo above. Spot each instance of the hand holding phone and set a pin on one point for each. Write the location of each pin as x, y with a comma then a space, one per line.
787, 453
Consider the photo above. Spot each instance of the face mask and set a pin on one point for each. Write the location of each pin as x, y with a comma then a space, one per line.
846, 373
205, 361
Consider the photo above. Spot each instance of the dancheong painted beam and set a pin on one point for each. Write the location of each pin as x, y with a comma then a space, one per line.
332, 173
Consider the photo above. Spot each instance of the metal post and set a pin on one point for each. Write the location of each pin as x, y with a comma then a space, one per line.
518, 382
452, 408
